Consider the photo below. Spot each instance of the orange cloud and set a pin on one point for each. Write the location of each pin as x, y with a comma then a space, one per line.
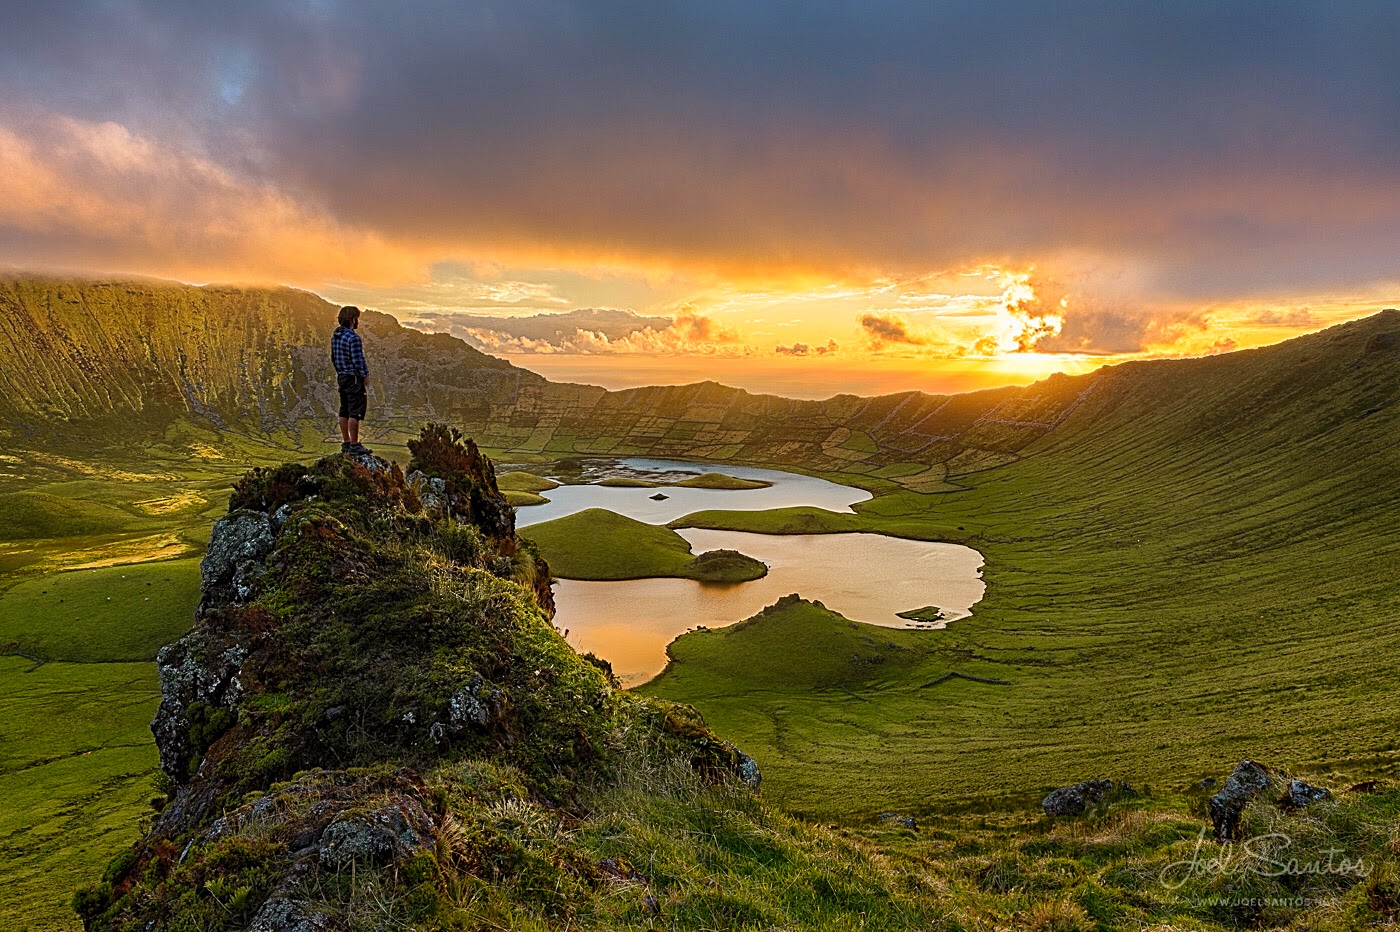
806, 349
689, 334
95, 193
884, 329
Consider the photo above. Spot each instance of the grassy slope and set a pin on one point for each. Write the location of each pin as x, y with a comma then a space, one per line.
76, 756
102, 615
524, 488
76, 760
650, 845
718, 480
519, 481
36, 515
627, 482
1311, 488
599, 544
708, 480
1199, 565
75, 772
797, 647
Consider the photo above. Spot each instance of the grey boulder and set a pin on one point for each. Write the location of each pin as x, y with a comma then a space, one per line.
1300, 794
1076, 799
1246, 782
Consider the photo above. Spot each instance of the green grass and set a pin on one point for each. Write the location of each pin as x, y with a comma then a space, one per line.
599, 544
708, 480
718, 480
799, 519
521, 499
520, 481
627, 482
76, 759
724, 567
793, 647
76, 754
100, 615
76, 765
31, 515
1198, 566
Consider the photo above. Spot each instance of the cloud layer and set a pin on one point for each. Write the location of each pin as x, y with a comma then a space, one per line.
732, 134
1146, 159
589, 331
75, 192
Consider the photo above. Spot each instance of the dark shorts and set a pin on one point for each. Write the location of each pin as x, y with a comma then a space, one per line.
352, 396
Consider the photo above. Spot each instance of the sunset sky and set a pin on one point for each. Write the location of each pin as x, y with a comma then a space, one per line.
803, 197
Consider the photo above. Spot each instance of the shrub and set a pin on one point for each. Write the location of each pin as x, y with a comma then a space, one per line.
441, 451
267, 489
91, 900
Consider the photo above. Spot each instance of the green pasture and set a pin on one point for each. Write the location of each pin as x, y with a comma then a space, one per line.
1204, 570
602, 545
76, 770
1199, 565
520, 481
111, 614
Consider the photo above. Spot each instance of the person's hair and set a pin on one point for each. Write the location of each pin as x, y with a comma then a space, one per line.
348, 315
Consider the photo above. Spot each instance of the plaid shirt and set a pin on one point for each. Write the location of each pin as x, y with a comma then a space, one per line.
348, 353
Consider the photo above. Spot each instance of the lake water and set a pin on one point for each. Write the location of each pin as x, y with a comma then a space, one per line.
865, 577
787, 489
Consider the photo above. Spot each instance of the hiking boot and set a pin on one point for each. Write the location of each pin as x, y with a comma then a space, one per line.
359, 449
345, 448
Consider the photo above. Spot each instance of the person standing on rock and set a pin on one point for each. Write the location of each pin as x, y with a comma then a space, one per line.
351, 370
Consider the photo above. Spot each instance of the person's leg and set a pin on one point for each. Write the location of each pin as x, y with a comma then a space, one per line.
342, 386
345, 423
353, 430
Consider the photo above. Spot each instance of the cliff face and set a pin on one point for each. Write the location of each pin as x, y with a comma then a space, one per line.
122, 360
82, 353
364, 639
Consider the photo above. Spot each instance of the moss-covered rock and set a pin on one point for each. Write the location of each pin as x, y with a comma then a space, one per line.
361, 628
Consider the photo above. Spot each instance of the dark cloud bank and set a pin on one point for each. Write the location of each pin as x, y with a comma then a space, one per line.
1230, 147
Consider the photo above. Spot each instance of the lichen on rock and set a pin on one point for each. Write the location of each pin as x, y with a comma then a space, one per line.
232, 563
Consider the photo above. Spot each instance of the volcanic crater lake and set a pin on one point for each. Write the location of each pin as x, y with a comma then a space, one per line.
865, 577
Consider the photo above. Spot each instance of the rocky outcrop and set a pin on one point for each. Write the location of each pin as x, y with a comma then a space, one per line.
1250, 781
896, 820
199, 690
1077, 798
360, 639
1246, 782
441, 498
232, 563
324, 823
199, 674
1300, 795
474, 707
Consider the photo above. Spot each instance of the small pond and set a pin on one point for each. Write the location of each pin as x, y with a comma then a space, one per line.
865, 577
786, 489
